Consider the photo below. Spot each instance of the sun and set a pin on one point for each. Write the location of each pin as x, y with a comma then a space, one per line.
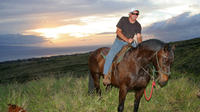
71, 30
47, 32
88, 26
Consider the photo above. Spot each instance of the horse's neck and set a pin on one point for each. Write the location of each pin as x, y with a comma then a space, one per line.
143, 56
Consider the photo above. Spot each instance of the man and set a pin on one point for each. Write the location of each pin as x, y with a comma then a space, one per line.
127, 27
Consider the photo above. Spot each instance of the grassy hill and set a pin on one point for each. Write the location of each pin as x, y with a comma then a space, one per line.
187, 60
25, 70
69, 94
187, 56
62, 85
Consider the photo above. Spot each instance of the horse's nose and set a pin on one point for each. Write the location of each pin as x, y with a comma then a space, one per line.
162, 84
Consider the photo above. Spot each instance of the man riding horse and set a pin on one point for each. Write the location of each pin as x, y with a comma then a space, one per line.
131, 73
127, 27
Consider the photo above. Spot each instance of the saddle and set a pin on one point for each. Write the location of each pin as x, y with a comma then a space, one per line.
119, 56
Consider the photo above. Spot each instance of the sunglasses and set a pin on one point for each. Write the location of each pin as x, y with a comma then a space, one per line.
134, 13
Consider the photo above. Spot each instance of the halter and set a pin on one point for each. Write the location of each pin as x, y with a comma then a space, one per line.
160, 69
153, 77
154, 70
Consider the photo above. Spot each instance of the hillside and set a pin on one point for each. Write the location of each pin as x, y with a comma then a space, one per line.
187, 56
69, 94
62, 85
187, 60
58, 66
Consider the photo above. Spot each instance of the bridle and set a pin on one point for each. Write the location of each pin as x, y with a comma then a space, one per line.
160, 69
154, 72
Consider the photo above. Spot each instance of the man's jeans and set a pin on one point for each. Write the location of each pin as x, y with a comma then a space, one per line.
116, 47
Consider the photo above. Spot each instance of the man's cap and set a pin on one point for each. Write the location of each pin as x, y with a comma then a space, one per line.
134, 9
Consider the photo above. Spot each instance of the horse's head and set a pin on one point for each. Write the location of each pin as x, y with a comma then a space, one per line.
162, 61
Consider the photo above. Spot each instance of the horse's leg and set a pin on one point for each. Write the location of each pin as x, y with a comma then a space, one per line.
122, 97
96, 78
138, 95
91, 84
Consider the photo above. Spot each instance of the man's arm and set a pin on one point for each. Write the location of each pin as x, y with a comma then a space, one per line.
121, 35
139, 38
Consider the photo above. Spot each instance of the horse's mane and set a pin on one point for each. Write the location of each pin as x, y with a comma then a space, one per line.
151, 44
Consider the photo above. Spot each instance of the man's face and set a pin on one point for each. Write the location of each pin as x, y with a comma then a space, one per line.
134, 15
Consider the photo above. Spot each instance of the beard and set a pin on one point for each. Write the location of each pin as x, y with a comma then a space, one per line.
134, 18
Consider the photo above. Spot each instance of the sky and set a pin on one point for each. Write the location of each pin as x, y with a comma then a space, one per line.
62, 23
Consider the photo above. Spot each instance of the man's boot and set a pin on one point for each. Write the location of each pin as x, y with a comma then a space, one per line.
106, 80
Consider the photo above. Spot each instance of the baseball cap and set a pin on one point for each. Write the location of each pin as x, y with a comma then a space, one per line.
134, 9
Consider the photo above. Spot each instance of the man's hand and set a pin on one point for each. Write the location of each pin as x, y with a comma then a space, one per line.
139, 38
121, 35
130, 40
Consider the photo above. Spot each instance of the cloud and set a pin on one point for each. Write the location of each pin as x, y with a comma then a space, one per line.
181, 27
22, 15
21, 40
68, 7
74, 8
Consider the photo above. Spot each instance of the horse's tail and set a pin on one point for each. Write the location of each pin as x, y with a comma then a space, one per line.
91, 87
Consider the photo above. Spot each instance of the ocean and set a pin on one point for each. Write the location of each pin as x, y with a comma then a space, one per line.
11, 53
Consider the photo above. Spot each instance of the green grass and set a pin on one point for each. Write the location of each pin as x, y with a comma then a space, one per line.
62, 85
69, 94
187, 55
25, 70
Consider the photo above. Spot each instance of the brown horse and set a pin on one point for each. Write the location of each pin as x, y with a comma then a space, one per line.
130, 74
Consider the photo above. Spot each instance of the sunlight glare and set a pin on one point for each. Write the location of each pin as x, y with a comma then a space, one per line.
92, 25
48, 33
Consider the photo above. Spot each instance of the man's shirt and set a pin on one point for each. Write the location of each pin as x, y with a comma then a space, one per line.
128, 29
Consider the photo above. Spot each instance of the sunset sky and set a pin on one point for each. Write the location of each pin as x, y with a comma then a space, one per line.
58, 23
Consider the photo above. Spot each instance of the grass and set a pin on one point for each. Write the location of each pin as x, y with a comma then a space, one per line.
69, 94
60, 84
187, 55
25, 70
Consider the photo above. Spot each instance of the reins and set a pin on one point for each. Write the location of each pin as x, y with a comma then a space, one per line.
153, 83
153, 76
